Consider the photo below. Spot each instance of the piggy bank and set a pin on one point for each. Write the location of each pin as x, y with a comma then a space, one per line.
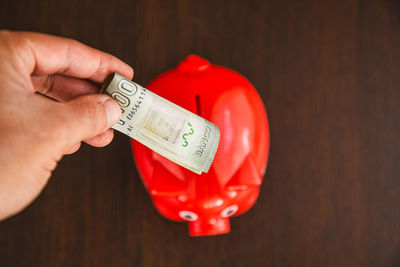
231, 186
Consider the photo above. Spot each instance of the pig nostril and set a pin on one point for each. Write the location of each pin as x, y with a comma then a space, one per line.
188, 215
198, 105
229, 211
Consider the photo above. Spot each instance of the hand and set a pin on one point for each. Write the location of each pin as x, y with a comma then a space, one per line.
48, 105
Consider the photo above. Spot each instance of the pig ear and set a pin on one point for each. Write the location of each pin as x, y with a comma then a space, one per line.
164, 183
247, 176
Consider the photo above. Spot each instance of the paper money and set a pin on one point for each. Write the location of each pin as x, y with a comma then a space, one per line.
168, 129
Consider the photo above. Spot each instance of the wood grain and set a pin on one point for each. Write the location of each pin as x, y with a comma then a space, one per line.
329, 75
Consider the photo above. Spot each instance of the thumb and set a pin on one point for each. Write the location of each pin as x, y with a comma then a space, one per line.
87, 116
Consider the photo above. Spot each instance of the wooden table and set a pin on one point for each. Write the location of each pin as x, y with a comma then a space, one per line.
329, 75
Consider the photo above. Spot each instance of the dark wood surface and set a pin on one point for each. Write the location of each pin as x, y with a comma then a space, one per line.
329, 75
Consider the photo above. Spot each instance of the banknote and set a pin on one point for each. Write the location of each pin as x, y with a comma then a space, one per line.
166, 128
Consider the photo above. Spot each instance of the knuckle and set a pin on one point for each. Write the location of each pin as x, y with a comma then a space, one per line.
74, 43
101, 68
7, 40
17, 45
18, 42
4, 34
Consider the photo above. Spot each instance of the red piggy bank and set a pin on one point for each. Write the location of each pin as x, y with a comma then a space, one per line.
232, 185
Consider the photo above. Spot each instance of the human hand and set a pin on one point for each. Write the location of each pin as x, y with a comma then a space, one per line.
48, 105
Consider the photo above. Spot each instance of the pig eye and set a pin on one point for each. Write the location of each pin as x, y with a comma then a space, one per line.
188, 215
229, 211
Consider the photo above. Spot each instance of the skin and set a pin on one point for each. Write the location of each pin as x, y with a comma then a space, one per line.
48, 105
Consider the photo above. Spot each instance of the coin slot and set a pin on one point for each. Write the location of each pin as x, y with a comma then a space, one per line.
198, 104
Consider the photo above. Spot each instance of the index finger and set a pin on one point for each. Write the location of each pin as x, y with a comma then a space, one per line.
51, 54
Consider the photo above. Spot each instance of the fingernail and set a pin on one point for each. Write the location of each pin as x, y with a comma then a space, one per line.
113, 111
